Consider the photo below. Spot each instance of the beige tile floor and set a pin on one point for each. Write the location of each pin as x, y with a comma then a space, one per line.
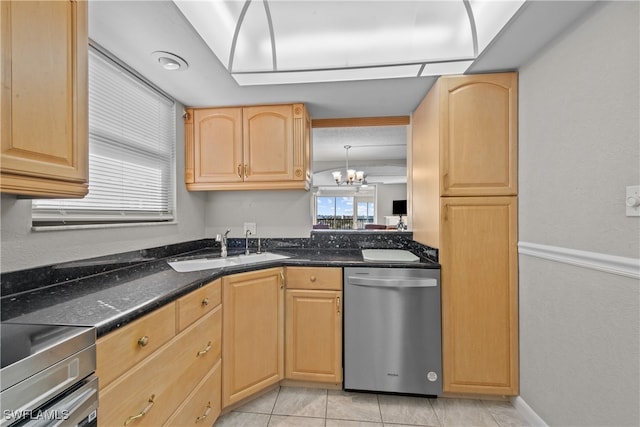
306, 407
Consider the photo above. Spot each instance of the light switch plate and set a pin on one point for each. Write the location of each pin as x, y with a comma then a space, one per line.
632, 200
251, 226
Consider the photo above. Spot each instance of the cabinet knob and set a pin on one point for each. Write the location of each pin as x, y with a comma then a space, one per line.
205, 302
312, 278
143, 341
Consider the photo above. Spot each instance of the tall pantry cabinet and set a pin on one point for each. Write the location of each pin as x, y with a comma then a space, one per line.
464, 202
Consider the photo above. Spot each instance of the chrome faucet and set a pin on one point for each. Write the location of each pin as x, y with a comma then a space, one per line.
223, 243
246, 242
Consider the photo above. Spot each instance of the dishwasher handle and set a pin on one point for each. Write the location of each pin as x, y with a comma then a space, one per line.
393, 282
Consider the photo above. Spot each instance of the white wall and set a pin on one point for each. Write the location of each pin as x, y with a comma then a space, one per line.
578, 149
285, 213
23, 248
387, 193
277, 213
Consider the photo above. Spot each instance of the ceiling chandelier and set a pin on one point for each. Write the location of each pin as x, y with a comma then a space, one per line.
352, 176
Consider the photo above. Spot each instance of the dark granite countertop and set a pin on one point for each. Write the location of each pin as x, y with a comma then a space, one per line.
110, 298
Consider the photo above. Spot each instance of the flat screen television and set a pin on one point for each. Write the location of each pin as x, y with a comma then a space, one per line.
399, 207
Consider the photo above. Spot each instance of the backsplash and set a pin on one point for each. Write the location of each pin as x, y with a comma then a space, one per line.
38, 277
343, 239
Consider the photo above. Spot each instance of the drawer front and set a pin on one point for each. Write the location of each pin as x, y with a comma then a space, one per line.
325, 278
202, 407
156, 387
120, 350
199, 302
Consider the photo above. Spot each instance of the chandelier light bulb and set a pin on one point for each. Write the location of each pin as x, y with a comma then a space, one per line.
352, 176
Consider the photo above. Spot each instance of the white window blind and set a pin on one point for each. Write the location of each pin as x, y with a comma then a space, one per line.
131, 153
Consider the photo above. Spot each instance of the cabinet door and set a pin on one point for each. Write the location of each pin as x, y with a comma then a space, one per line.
479, 295
44, 98
218, 145
314, 335
479, 135
252, 333
268, 143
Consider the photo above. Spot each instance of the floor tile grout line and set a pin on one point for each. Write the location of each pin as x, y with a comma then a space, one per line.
326, 406
379, 408
433, 408
274, 406
486, 407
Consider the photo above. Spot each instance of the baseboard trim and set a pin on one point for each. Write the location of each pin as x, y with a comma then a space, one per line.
622, 266
527, 413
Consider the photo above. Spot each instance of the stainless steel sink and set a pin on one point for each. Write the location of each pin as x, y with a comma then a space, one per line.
209, 263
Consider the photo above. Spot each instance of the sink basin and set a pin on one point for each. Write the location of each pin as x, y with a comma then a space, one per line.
208, 263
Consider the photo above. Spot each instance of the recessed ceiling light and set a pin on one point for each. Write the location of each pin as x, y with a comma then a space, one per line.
169, 61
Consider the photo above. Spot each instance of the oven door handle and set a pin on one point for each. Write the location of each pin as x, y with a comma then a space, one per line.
73, 408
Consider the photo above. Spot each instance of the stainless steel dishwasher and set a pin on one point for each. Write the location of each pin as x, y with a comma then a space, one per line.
392, 335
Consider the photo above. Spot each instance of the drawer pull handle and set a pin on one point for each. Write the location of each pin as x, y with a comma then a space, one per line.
312, 278
205, 301
206, 350
143, 341
206, 413
142, 413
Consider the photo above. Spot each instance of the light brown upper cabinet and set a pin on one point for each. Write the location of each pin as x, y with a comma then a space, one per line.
248, 148
43, 103
478, 134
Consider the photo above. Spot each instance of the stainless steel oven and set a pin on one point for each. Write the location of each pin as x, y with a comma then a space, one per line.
47, 375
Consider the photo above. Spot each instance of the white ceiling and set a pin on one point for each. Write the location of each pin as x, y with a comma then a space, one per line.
132, 30
367, 143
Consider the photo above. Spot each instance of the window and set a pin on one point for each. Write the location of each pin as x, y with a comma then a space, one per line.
131, 153
352, 210
366, 212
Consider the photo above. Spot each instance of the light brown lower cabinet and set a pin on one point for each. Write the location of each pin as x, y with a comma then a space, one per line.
190, 359
479, 295
314, 335
313, 324
202, 407
120, 350
253, 333
148, 394
161, 371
